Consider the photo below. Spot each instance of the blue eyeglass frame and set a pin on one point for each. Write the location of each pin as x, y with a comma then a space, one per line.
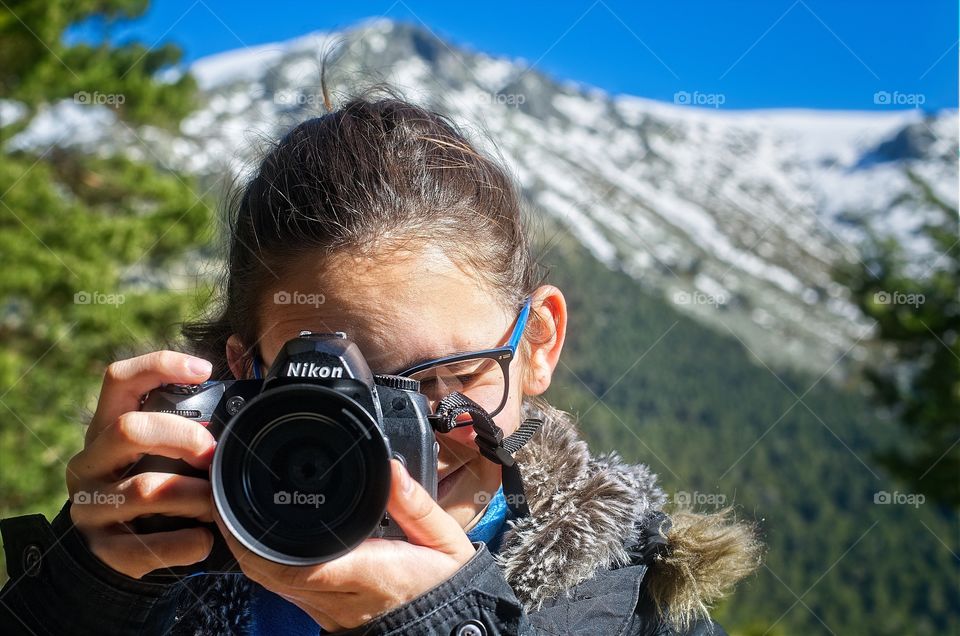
502, 355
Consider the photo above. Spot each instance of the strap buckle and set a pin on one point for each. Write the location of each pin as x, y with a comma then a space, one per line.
493, 445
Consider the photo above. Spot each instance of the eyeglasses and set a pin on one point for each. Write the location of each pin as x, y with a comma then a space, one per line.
483, 376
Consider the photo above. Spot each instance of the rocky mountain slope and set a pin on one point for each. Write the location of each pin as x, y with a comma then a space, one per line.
737, 217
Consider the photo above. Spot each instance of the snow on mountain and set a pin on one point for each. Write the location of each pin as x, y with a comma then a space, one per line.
65, 124
737, 217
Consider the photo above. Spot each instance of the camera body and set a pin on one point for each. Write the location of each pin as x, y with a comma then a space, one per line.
301, 471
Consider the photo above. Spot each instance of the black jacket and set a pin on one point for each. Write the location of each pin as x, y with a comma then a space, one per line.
595, 556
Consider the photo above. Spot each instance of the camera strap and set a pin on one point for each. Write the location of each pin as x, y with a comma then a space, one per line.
493, 445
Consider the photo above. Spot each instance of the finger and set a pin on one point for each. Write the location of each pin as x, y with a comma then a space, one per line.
144, 494
337, 575
138, 554
322, 619
126, 381
420, 517
138, 433
310, 605
254, 567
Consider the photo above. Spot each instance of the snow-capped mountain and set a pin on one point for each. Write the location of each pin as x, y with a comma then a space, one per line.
738, 217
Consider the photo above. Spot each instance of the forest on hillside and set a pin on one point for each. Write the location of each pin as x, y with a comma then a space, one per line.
792, 452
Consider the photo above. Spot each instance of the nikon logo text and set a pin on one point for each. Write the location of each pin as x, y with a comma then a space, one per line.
313, 370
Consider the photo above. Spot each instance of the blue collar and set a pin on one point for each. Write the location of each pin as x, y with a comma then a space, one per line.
490, 528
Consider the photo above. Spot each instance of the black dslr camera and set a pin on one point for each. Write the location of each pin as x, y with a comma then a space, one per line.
301, 471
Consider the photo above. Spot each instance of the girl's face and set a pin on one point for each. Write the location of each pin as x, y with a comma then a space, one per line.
402, 309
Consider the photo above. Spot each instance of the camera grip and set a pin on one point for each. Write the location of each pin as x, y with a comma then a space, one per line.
195, 402
220, 558
160, 464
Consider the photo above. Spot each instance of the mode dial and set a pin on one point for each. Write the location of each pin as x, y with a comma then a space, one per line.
397, 382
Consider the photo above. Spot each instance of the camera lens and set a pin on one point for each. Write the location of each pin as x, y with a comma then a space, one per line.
301, 475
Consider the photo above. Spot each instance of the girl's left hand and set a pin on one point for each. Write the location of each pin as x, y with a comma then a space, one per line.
380, 574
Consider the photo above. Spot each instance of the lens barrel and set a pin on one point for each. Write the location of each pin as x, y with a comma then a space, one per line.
301, 475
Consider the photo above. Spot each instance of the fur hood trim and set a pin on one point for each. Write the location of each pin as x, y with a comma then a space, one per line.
586, 512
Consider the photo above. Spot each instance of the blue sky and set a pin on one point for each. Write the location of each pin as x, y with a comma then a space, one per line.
836, 54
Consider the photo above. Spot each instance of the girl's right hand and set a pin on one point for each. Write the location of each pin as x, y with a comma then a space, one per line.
105, 502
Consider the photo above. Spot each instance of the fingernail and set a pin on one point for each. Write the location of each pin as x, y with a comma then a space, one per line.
199, 366
406, 481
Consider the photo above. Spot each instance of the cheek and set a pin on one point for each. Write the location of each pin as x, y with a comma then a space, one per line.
509, 418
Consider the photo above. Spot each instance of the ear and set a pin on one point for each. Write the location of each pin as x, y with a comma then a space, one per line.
549, 329
237, 358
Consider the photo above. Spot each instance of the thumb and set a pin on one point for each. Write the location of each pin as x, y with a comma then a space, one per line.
420, 517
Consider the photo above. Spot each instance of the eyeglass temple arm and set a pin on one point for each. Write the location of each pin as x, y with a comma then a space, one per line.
521, 324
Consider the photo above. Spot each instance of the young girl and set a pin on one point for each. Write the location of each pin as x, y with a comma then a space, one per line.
397, 231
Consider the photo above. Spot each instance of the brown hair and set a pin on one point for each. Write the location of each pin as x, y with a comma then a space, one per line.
377, 173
